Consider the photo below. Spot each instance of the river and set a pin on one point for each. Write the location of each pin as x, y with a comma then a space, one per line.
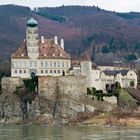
69, 133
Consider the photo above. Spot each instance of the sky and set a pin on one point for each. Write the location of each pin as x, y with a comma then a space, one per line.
113, 5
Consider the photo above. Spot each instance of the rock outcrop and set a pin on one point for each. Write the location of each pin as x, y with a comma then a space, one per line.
59, 101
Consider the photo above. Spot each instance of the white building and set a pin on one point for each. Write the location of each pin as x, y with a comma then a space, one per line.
104, 77
124, 77
44, 57
39, 56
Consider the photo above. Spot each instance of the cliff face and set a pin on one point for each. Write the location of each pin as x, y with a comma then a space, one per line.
60, 100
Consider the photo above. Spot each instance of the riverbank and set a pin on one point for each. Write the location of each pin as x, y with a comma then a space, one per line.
102, 119
109, 119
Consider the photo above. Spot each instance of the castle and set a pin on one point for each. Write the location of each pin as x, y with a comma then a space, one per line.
47, 57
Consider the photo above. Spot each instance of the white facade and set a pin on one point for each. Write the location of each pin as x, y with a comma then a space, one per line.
106, 77
41, 57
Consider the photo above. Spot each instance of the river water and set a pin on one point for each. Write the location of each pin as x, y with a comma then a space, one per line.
69, 133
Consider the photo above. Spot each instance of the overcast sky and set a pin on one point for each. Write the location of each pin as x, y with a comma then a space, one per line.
113, 5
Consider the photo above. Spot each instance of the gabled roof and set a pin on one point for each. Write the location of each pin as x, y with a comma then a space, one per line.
49, 49
85, 56
75, 63
46, 50
21, 52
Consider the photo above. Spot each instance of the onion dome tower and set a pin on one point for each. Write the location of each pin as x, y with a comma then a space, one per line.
32, 41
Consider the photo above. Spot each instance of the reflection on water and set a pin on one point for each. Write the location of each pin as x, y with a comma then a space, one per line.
69, 133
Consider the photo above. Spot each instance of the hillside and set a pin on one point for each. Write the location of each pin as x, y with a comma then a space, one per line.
105, 34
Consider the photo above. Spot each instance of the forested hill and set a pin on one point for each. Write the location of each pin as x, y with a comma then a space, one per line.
104, 34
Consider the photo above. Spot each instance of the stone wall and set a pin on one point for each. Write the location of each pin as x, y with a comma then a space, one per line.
73, 86
9, 102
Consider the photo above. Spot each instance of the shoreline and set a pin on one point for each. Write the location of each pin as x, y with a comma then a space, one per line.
98, 120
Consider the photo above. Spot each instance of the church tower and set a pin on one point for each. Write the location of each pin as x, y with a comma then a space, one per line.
32, 41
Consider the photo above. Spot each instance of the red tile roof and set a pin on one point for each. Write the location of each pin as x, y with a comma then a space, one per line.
75, 63
85, 56
46, 50
21, 52
50, 50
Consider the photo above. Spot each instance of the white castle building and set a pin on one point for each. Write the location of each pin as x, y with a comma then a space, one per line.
47, 57
39, 56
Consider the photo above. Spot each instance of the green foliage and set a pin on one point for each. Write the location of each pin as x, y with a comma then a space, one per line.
126, 101
29, 84
105, 49
89, 39
93, 89
89, 92
131, 57
99, 93
118, 86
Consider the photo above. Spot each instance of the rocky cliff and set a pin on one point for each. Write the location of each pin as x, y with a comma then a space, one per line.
60, 100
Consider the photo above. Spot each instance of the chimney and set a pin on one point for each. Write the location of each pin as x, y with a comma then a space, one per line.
62, 43
42, 40
56, 40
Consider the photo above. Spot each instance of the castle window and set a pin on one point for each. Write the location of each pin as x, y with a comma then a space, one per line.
54, 71
20, 64
24, 64
67, 64
41, 71
35, 64
20, 71
41, 64
62, 64
54, 64
30, 64
58, 64
50, 64
15, 71
24, 71
46, 64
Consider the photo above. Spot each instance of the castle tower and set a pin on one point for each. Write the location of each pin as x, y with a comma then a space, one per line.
32, 41
86, 67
